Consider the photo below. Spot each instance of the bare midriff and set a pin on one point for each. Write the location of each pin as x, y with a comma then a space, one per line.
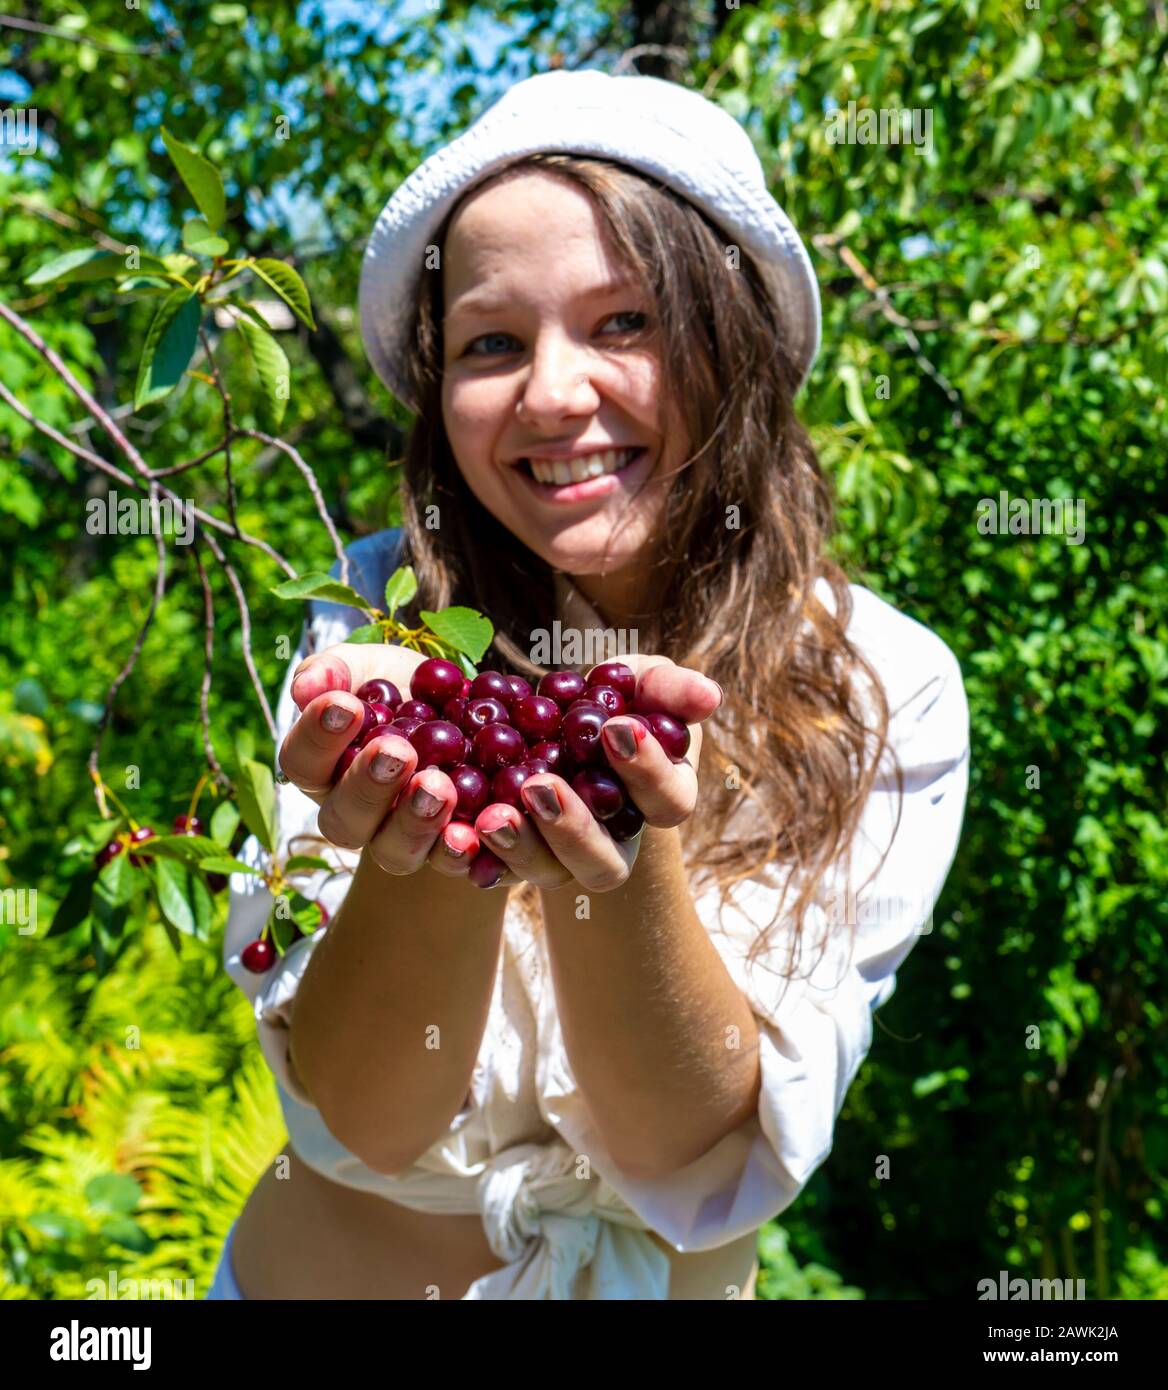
302, 1236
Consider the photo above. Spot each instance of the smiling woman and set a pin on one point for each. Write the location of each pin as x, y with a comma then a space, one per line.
636, 1064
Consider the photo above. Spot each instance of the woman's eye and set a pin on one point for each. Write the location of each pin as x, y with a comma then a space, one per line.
631, 314
473, 348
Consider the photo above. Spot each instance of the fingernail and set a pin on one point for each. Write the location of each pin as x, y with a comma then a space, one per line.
336, 718
622, 739
504, 836
385, 767
543, 801
721, 692
450, 850
426, 803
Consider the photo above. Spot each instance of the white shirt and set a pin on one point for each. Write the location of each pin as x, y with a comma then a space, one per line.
568, 1222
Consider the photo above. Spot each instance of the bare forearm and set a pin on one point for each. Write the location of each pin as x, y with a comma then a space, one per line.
389, 1016
661, 1040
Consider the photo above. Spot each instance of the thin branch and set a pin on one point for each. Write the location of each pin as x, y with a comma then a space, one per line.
205, 689
313, 486
142, 50
245, 630
190, 463
228, 426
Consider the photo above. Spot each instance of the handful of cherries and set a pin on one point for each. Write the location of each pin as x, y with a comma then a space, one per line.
492, 733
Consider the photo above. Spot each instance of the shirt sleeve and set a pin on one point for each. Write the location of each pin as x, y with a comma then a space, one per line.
815, 1020
272, 993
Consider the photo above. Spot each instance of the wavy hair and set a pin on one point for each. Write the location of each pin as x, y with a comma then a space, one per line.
740, 551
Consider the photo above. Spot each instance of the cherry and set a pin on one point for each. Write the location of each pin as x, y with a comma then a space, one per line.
617, 674
188, 825
496, 746
324, 915
609, 697
455, 710
436, 681
671, 734
506, 783
380, 692
550, 752
486, 869
405, 727
258, 956
521, 687
465, 691
536, 765
625, 823
143, 833
216, 882
108, 852
561, 686
536, 717
481, 712
417, 709
473, 787
439, 744
601, 792
492, 685
580, 733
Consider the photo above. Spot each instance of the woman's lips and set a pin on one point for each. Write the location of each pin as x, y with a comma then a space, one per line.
590, 488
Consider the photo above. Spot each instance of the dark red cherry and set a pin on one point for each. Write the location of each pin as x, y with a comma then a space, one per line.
609, 697
380, 692
561, 686
536, 717
188, 825
405, 727
520, 687
601, 792
671, 734
439, 744
496, 746
216, 882
580, 734
465, 691
506, 782
108, 852
620, 676
481, 712
551, 752
258, 956
535, 765
436, 681
492, 685
486, 869
473, 787
417, 709
625, 824
455, 710
143, 833
345, 761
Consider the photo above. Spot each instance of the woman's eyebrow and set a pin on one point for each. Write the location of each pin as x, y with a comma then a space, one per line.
485, 303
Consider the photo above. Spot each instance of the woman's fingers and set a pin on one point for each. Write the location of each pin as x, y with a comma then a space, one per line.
454, 849
512, 837
665, 792
667, 688
313, 744
579, 841
348, 665
350, 814
424, 807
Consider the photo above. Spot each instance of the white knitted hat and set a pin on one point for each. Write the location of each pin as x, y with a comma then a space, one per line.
671, 132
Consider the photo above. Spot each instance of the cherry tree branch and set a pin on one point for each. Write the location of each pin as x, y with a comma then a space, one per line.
205, 689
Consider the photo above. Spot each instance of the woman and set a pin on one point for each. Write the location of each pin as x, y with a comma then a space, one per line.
601, 1080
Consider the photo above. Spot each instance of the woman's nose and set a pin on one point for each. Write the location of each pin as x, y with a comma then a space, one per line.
558, 381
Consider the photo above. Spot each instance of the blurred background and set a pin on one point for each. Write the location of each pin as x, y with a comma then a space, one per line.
995, 292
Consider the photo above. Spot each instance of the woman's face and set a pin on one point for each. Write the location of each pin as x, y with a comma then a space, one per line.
547, 358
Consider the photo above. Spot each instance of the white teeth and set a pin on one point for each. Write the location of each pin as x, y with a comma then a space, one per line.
562, 471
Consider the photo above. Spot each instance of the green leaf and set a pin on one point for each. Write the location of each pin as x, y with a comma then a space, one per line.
400, 587
465, 630
228, 865
200, 239
170, 343
201, 178
323, 586
57, 1226
187, 849
89, 263
170, 879
257, 801
228, 14
202, 904
288, 285
371, 632
854, 393
120, 1230
116, 1193
223, 823
1023, 63
271, 367
306, 861
116, 882
75, 905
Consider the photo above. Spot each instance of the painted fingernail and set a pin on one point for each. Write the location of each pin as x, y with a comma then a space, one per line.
450, 850
426, 803
385, 767
336, 718
621, 739
505, 836
543, 801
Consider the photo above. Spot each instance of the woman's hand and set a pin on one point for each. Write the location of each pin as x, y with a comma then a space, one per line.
569, 843
382, 804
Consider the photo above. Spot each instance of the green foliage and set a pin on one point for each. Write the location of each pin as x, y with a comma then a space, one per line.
995, 320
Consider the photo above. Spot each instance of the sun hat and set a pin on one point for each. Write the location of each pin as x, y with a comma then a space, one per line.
668, 131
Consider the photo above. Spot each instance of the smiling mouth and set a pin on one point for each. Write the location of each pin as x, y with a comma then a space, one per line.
564, 472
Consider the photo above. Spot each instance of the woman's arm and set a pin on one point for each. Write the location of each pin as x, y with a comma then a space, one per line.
663, 1044
390, 1014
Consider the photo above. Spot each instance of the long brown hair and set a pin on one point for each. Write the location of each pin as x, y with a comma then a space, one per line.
804, 722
